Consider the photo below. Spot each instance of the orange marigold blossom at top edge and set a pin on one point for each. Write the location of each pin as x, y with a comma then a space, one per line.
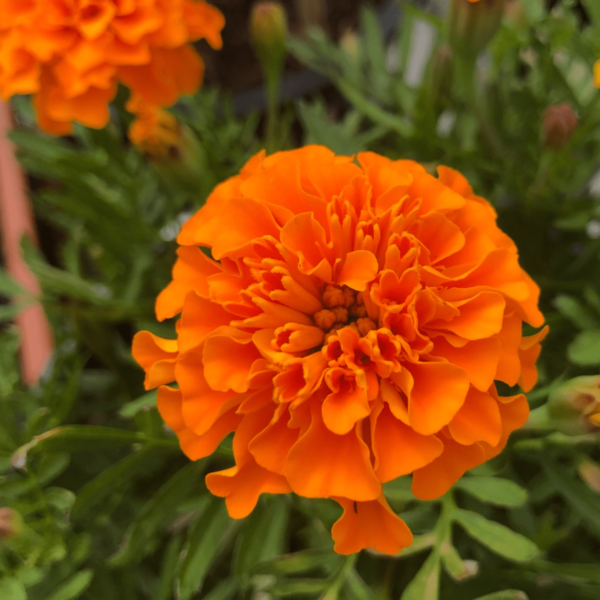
71, 54
348, 328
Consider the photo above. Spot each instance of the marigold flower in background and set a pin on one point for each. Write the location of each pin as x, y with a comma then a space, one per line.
349, 328
71, 54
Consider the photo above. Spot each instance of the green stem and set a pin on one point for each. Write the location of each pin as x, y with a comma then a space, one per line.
273, 80
466, 76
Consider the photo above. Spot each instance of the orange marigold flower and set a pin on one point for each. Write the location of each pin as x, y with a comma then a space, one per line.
349, 329
71, 54
154, 131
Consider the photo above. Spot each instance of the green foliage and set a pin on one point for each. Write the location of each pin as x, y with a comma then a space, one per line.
111, 508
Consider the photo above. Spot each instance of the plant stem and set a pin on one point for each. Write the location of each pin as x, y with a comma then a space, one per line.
333, 593
273, 80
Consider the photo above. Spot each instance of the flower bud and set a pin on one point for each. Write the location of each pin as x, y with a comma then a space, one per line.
10, 524
269, 31
589, 471
472, 24
560, 122
575, 406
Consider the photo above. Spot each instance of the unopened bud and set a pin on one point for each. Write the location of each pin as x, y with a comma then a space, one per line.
589, 471
10, 523
350, 44
560, 122
472, 24
575, 405
269, 32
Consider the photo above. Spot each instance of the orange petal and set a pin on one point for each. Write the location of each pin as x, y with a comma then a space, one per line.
397, 448
478, 359
156, 356
438, 393
480, 317
478, 420
271, 447
242, 486
343, 409
514, 411
227, 362
190, 272
199, 318
435, 479
370, 524
529, 352
202, 406
360, 267
322, 464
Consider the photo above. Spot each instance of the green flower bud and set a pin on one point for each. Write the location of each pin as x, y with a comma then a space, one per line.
269, 32
575, 406
472, 24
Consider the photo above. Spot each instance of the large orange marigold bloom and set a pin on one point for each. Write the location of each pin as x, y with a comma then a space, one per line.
348, 328
72, 53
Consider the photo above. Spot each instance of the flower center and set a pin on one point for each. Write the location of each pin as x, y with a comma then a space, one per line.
345, 308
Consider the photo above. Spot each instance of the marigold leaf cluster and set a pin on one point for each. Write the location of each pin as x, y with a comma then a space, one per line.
71, 54
349, 327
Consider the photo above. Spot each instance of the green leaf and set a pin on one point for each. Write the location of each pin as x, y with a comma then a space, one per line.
262, 536
223, 591
202, 546
116, 478
593, 9
505, 595
454, 565
129, 410
12, 589
587, 572
493, 490
299, 562
159, 509
71, 438
581, 499
426, 583
74, 587
585, 348
496, 537
9, 286
293, 588
576, 312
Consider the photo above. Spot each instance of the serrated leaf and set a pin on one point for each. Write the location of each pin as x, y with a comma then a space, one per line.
12, 589
493, 490
585, 348
426, 583
496, 537
505, 595
576, 312
74, 587
159, 509
201, 548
